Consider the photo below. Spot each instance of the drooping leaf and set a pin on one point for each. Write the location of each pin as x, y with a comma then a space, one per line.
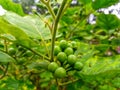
101, 67
18, 34
97, 4
5, 57
33, 26
11, 6
107, 21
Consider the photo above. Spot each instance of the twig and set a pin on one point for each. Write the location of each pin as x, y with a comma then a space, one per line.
47, 3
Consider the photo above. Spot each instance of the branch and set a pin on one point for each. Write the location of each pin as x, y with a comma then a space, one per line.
59, 14
47, 3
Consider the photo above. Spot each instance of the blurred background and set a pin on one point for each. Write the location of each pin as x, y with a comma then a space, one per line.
30, 6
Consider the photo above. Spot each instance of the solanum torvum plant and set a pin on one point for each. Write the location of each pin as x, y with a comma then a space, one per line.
59, 49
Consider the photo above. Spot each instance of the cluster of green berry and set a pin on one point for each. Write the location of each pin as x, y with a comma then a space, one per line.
64, 58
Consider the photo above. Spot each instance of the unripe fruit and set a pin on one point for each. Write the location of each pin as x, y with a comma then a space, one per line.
52, 66
11, 51
21, 61
57, 49
68, 51
20, 48
28, 54
72, 59
60, 72
78, 65
74, 44
63, 44
69, 45
61, 56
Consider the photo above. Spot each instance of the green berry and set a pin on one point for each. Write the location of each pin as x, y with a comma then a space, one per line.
52, 66
68, 51
78, 65
60, 72
72, 59
57, 49
63, 44
62, 57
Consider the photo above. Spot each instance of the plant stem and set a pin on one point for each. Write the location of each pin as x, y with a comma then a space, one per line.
47, 3
66, 83
51, 10
5, 46
59, 14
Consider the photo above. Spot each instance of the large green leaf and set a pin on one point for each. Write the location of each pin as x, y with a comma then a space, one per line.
10, 6
33, 26
5, 57
107, 21
101, 67
20, 36
97, 4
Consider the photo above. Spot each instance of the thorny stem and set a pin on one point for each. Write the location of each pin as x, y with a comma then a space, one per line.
59, 14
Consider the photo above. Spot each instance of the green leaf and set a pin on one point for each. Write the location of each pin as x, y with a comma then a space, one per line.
53, 87
67, 17
102, 47
8, 36
107, 21
5, 57
20, 37
10, 83
100, 67
10, 6
97, 4
116, 82
43, 64
115, 41
33, 26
